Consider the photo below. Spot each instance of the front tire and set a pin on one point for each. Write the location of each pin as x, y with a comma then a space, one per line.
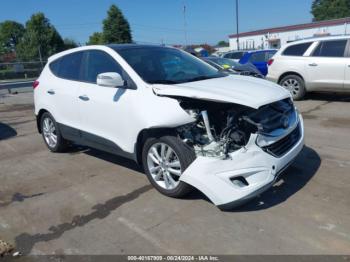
164, 160
51, 134
295, 85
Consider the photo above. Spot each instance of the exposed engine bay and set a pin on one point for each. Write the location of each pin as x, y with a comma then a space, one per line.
222, 128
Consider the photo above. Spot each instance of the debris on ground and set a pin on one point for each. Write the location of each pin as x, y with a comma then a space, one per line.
5, 248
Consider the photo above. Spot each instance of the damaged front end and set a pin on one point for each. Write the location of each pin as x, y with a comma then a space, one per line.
240, 150
222, 128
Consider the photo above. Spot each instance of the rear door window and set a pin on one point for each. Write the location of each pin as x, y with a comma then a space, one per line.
237, 55
68, 66
297, 50
330, 49
258, 57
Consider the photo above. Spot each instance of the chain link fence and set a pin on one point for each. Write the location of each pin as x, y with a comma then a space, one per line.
20, 70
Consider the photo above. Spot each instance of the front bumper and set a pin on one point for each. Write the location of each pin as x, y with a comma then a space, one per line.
214, 177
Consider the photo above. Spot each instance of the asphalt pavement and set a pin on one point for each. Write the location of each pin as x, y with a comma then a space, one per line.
89, 202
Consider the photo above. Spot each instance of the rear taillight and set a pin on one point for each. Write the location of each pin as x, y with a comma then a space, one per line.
35, 84
270, 62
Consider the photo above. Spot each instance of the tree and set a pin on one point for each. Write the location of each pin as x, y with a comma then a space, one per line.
116, 28
69, 43
330, 9
40, 39
11, 33
95, 39
223, 43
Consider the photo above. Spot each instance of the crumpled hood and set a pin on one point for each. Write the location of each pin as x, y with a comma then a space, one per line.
243, 90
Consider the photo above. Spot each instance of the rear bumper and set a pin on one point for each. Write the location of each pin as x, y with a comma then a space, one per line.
272, 78
38, 123
216, 177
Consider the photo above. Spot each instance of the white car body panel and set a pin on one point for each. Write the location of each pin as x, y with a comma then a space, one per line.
318, 73
120, 115
133, 110
347, 75
328, 74
212, 176
63, 104
230, 89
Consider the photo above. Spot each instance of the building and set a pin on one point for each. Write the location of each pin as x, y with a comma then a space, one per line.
278, 36
219, 50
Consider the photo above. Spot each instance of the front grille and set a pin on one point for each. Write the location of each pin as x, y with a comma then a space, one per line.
282, 146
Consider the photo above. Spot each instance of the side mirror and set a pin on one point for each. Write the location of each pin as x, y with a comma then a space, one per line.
110, 79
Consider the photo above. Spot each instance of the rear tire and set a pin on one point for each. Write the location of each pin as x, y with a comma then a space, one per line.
164, 160
295, 85
51, 134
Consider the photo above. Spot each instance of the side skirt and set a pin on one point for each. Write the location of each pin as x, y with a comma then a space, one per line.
87, 139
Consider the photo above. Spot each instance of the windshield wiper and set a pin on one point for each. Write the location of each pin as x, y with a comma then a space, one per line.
163, 81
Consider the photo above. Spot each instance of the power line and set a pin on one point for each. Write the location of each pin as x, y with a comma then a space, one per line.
237, 24
69, 26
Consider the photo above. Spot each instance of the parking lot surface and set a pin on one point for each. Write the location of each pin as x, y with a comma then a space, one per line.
88, 202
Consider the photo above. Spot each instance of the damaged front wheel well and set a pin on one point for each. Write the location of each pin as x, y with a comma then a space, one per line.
148, 133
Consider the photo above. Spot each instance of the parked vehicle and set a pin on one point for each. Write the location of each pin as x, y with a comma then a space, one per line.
188, 124
233, 67
234, 55
258, 58
318, 64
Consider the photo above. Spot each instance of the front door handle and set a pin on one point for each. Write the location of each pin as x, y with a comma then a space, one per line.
51, 92
313, 64
84, 98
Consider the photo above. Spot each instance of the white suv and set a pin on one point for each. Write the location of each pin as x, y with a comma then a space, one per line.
184, 121
319, 64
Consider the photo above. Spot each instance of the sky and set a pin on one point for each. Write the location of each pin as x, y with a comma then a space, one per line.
162, 21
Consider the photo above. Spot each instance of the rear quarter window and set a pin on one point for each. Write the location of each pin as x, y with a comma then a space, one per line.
330, 48
296, 50
54, 66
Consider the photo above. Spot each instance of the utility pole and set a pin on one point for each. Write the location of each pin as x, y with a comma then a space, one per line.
40, 57
185, 23
237, 24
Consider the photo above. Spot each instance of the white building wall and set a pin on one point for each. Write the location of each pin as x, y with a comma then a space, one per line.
262, 41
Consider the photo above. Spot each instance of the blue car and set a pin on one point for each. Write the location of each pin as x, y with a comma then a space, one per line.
259, 58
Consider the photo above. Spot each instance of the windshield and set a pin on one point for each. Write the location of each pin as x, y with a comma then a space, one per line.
162, 65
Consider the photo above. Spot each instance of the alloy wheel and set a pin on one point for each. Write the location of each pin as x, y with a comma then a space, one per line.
292, 85
49, 131
164, 165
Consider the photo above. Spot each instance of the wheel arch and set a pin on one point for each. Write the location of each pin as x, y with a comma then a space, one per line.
38, 119
148, 133
290, 73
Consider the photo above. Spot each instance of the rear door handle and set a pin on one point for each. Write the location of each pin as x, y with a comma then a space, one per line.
84, 98
313, 64
51, 92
